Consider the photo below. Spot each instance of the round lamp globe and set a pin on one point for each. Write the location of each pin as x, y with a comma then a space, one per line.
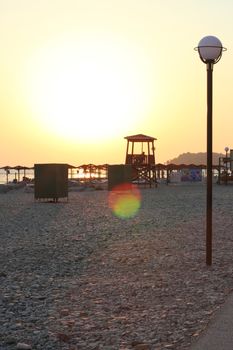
210, 49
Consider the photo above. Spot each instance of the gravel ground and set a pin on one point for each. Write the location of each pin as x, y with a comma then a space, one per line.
74, 276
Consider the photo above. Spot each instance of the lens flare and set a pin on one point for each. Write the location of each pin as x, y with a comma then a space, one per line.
125, 200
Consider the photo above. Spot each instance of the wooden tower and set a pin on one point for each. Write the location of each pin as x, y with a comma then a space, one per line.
143, 163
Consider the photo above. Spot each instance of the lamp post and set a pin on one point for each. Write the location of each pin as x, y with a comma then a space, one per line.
210, 51
226, 161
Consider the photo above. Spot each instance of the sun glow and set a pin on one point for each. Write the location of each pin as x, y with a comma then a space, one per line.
92, 90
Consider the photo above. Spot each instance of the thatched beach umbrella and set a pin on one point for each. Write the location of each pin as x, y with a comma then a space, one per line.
172, 166
20, 167
102, 171
7, 170
88, 170
24, 168
71, 167
160, 166
84, 168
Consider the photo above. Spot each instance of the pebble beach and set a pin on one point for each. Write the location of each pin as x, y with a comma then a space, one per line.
75, 276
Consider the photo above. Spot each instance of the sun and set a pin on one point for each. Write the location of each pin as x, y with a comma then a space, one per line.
93, 89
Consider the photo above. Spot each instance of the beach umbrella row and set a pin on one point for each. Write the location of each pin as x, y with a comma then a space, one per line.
92, 168
18, 168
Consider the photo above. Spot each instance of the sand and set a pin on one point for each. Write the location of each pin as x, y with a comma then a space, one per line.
74, 276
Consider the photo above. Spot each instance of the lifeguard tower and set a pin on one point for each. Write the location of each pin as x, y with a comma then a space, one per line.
225, 167
140, 153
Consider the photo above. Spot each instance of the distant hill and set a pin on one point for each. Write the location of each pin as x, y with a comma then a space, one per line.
195, 158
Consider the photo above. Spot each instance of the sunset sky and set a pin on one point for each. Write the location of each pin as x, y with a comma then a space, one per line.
77, 76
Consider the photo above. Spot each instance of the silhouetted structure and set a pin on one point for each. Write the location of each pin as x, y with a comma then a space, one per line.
143, 164
51, 181
226, 168
119, 174
147, 157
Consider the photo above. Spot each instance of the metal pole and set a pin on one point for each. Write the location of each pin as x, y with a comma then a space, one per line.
127, 151
219, 170
226, 167
209, 165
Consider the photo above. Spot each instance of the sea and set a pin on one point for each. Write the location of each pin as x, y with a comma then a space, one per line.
29, 173
13, 174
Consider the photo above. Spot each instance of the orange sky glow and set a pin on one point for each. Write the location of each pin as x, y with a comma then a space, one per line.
78, 76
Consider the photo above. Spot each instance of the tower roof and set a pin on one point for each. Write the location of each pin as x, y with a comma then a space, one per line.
140, 138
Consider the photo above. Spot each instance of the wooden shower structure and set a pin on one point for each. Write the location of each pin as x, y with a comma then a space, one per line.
143, 163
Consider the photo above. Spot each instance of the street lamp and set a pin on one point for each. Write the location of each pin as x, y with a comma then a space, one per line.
210, 51
226, 161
